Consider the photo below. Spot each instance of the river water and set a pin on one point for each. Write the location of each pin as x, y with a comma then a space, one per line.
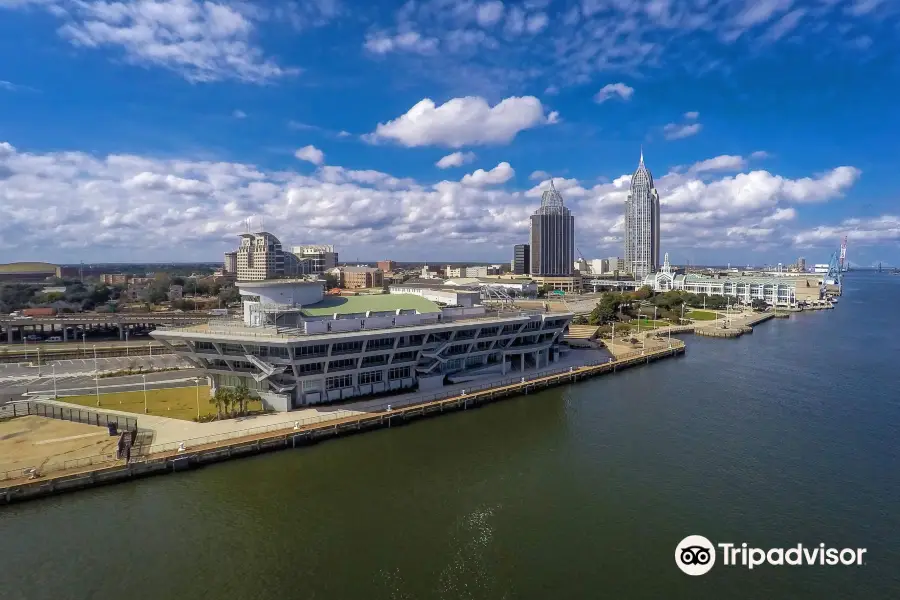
786, 436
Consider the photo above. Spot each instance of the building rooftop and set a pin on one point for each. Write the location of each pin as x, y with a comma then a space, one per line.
345, 305
28, 267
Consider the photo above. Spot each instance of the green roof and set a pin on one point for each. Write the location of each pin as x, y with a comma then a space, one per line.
28, 267
345, 305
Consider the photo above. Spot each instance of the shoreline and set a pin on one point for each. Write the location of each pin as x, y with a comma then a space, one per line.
198, 454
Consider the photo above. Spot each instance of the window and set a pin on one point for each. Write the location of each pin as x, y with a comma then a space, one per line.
398, 373
346, 348
232, 349
486, 345
342, 365
489, 332
310, 351
411, 340
370, 377
204, 347
508, 329
456, 349
378, 359
404, 356
379, 344
308, 368
465, 334
340, 381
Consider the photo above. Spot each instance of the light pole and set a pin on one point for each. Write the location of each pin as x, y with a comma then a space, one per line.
150, 345
96, 375
84, 342
55, 395
39, 360
144, 378
126, 341
197, 382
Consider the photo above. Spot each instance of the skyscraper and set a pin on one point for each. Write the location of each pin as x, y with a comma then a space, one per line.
521, 263
552, 237
642, 224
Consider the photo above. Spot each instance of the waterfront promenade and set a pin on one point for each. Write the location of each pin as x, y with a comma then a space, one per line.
256, 434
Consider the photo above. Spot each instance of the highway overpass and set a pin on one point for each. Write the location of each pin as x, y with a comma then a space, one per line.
57, 325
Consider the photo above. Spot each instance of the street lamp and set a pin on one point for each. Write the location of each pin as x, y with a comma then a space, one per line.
126, 341
197, 382
84, 342
39, 360
96, 374
55, 395
144, 377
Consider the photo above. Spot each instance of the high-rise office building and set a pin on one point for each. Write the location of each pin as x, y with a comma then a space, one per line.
552, 237
642, 224
318, 258
521, 264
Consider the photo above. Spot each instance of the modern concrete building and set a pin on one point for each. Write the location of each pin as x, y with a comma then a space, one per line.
521, 263
642, 224
315, 258
552, 237
356, 278
514, 286
615, 263
446, 295
260, 257
114, 278
296, 347
387, 266
229, 266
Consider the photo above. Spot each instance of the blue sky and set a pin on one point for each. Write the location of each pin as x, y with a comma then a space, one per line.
153, 129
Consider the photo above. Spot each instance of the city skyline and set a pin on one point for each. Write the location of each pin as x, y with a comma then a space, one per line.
151, 130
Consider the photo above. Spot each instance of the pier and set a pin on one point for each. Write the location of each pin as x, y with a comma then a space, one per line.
197, 452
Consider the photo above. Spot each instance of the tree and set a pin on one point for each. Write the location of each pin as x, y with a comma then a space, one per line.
759, 304
643, 293
240, 397
222, 400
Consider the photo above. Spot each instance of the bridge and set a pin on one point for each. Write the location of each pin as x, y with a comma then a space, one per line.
613, 284
123, 321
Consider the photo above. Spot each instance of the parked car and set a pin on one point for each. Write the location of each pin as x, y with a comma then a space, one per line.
54, 338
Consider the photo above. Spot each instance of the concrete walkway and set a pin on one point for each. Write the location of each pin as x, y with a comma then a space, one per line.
172, 431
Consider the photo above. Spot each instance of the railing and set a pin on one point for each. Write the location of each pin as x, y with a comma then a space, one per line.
58, 465
398, 402
67, 413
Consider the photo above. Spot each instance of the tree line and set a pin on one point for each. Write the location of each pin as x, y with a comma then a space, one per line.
624, 306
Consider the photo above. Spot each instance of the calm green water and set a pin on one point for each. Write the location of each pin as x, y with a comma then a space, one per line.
783, 437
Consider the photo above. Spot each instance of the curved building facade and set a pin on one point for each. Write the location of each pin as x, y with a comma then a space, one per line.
642, 224
552, 237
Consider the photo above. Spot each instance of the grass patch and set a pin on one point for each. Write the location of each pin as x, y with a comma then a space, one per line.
648, 324
175, 403
701, 315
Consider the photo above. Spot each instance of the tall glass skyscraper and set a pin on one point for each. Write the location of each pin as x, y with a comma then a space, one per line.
642, 224
552, 237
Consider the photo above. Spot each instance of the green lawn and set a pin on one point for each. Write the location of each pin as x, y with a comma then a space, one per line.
648, 324
175, 403
701, 315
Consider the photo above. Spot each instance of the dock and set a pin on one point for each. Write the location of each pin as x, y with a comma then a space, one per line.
195, 453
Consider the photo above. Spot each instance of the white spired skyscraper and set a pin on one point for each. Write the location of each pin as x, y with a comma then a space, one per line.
642, 224
552, 237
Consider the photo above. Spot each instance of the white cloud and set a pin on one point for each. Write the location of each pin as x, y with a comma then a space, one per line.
613, 89
464, 121
489, 13
502, 173
410, 41
202, 41
691, 115
343, 134
310, 154
457, 159
759, 155
674, 131
95, 206
724, 162
239, 114
536, 22
539, 176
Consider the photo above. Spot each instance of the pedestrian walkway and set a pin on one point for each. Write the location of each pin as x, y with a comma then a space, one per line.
169, 431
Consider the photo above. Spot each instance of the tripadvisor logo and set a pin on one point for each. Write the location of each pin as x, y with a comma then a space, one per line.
696, 555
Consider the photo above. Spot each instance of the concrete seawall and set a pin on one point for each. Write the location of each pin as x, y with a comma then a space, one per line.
291, 438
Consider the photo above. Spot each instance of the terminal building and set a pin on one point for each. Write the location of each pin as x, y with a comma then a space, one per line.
776, 291
295, 347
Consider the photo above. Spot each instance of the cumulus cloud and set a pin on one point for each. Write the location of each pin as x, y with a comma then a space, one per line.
724, 162
674, 131
239, 114
759, 155
457, 159
539, 176
489, 13
108, 201
310, 154
612, 90
468, 121
502, 173
691, 115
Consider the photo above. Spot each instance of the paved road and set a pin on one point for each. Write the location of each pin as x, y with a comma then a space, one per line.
133, 342
75, 377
